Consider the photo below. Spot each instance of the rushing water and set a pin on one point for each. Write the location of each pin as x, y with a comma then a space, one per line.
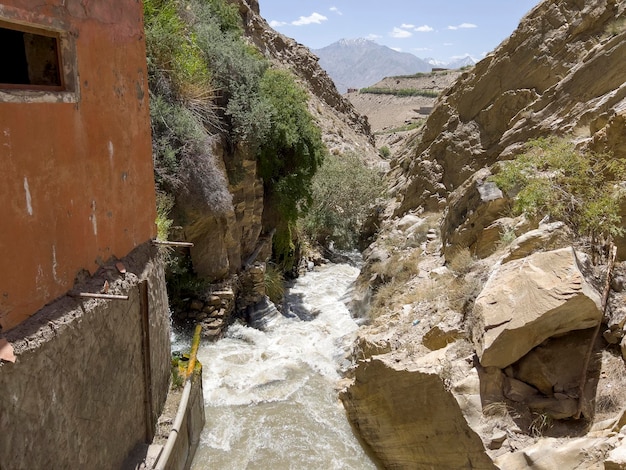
270, 397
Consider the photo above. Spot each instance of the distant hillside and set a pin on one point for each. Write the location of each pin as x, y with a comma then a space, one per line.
357, 63
393, 108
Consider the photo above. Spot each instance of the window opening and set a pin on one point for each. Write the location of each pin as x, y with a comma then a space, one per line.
30, 59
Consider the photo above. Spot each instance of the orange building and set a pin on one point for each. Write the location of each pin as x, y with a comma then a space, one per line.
76, 175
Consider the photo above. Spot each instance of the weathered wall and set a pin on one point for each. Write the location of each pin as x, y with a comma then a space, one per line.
77, 181
188, 438
75, 397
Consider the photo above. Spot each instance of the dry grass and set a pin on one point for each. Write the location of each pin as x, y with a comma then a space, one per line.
540, 424
460, 261
497, 409
447, 292
611, 390
400, 267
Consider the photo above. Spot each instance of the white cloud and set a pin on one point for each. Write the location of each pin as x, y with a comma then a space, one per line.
336, 10
407, 26
463, 26
424, 29
277, 24
422, 49
400, 33
448, 44
314, 18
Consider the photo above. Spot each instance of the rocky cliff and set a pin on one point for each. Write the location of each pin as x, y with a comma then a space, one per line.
344, 129
219, 195
509, 326
561, 72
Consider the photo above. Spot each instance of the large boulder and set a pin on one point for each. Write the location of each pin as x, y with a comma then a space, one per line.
410, 418
546, 237
527, 301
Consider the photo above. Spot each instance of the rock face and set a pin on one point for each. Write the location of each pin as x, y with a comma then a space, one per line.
471, 208
220, 202
342, 127
409, 418
532, 312
551, 454
528, 301
562, 71
221, 216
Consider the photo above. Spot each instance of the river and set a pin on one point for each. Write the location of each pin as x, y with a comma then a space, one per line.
270, 396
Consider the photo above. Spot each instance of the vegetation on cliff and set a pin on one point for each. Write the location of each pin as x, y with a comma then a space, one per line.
400, 92
343, 192
553, 179
207, 82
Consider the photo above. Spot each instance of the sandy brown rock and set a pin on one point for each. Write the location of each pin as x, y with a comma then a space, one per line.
473, 206
409, 419
527, 301
545, 79
551, 453
546, 237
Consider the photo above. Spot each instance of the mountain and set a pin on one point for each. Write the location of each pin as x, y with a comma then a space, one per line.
453, 64
357, 63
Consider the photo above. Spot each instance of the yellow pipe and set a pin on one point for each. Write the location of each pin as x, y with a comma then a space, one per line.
195, 342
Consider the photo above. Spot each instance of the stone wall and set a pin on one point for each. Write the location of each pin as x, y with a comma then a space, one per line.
76, 397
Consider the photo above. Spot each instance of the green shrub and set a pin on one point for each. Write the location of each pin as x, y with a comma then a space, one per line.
405, 128
344, 190
384, 151
164, 204
554, 179
238, 70
174, 56
274, 283
289, 157
175, 134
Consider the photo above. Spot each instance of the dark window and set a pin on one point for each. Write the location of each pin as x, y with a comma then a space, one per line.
29, 59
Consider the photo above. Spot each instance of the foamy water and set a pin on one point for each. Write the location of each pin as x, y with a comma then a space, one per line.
270, 396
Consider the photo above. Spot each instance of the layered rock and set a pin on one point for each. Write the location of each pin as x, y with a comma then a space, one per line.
528, 301
409, 418
222, 216
470, 209
560, 72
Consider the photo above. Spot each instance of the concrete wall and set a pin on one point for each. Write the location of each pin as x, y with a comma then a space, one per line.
76, 184
188, 438
76, 396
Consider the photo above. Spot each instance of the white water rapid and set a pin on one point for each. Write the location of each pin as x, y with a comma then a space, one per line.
270, 397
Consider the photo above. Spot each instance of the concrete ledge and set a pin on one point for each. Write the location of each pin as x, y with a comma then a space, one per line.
184, 436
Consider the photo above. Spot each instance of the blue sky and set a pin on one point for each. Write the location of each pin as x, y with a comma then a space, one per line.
443, 29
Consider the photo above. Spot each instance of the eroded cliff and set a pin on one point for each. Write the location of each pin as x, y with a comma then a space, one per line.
561, 72
519, 317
